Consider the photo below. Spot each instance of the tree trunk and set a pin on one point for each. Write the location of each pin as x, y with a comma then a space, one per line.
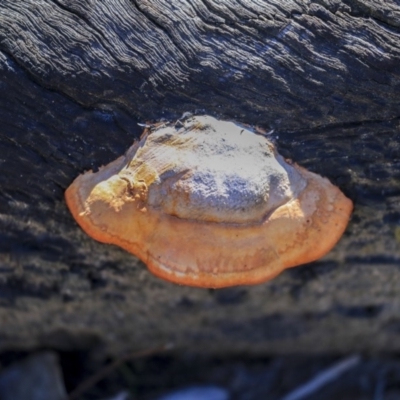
76, 78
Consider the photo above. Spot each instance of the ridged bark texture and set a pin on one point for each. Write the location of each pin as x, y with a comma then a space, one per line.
76, 76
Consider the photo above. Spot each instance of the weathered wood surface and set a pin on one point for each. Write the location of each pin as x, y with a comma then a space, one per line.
77, 76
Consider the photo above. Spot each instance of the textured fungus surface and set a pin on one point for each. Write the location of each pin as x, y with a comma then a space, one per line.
210, 203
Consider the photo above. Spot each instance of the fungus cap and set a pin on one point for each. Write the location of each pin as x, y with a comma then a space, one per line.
210, 204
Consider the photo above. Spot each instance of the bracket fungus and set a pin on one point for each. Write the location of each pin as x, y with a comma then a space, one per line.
210, 203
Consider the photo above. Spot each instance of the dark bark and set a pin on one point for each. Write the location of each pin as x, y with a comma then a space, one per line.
77, 76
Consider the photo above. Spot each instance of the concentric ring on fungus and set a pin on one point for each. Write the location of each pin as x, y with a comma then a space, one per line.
210, 204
